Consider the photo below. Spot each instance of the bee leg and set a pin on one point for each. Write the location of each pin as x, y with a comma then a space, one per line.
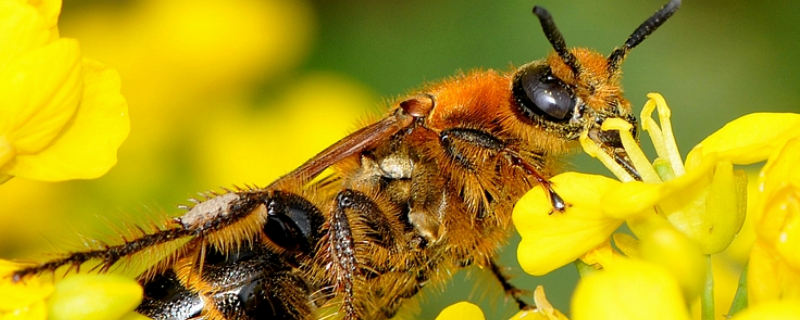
357, 225
109, 254
343, 254
204, 218
510, 290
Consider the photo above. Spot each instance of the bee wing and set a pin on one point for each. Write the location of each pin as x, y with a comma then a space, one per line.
363, 139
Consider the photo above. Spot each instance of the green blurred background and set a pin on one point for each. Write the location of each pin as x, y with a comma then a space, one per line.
241, 91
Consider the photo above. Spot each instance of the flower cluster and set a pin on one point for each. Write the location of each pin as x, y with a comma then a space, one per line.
680, 214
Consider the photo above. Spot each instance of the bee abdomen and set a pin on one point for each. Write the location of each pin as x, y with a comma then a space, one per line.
166, 298
248, 283
257, 278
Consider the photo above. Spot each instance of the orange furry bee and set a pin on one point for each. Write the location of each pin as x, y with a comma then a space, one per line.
427, 189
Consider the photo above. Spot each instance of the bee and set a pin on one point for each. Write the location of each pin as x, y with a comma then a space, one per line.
422, 192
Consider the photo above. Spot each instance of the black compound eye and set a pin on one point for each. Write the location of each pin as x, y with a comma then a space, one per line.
538, 93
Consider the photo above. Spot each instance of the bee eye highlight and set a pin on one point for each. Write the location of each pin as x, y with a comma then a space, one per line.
540, 94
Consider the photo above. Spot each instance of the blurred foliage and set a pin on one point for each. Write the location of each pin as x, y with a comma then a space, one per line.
242, 91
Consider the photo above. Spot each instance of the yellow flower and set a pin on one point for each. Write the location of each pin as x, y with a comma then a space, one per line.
61, 116
681, 213
704, 200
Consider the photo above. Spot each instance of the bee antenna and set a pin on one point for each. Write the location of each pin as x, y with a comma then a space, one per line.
642, 32
556, 39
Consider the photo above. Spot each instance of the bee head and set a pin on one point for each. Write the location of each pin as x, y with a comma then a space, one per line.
573, 84
574, 90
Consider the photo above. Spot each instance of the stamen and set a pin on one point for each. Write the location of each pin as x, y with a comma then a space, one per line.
592, 149
541, 302
662, 137
635, 153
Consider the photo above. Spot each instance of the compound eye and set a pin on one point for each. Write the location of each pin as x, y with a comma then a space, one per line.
539, 93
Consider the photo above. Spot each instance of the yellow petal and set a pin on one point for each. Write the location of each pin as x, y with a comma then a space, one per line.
48, 9
673, 251
20, 296
553, 239
40, 92
94, 297
788, 244
88, 146
630, 290
461, 311
34, 311
627, 244
632, 198
779, 223
768, 276
781, 169
776, 310
603, 256
715, 214
749, 139
23, 29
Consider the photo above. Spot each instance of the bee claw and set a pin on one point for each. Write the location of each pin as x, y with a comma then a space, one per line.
557, 203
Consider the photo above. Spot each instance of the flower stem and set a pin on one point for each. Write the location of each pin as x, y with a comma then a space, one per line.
707, 299
740, 299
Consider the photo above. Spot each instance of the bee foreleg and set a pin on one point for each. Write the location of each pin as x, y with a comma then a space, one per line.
556, 201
